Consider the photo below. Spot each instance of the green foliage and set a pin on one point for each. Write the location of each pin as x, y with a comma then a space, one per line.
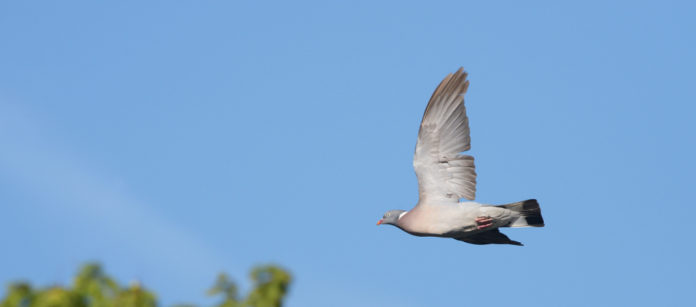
93, 288
135, 296
57, 297
223, 285
270, 286
98, 289
18, 295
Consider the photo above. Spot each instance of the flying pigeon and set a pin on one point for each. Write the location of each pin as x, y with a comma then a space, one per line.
445, 175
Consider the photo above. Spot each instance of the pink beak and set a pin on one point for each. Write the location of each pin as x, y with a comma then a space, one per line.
379, 222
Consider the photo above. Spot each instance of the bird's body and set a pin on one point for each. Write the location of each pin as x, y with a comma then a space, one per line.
423, 221
445, 175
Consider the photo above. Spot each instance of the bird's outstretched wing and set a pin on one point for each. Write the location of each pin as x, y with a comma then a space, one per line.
444, 174
493, 236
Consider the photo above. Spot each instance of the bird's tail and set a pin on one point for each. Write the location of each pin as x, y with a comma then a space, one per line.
529, 214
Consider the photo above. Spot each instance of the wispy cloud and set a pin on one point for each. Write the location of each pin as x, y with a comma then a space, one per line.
31, 156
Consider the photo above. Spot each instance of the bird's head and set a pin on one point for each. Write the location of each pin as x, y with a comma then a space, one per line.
391, 217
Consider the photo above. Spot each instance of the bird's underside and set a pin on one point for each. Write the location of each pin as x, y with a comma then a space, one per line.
485, 234
476, 223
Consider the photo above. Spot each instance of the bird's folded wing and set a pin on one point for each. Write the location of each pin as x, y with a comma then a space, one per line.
444, 174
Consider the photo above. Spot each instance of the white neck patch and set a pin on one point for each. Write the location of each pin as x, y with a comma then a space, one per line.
402, 214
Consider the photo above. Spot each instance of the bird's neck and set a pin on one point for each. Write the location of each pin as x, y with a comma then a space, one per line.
402, 214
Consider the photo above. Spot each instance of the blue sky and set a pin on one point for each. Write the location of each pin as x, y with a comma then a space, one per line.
171, 141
